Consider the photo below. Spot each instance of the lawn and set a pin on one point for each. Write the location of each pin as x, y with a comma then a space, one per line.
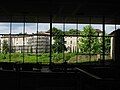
45, 57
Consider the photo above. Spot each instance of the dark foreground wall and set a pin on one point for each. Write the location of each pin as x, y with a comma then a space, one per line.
38, 81
31, 80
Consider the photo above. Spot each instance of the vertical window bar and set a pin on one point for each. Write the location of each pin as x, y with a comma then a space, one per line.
115, 22
10, 39
77, 40
115, 26
64, 60
37, 43
103, 38
50, 39
114, 58
23, 40
90, 40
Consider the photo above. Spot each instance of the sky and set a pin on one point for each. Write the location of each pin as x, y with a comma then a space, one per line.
17, 28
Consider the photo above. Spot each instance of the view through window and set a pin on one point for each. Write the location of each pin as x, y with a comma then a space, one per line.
71, 42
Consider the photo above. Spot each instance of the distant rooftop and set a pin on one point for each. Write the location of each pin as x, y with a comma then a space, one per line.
112, 33
98, 31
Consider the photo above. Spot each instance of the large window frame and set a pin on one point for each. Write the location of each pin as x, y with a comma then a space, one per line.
50, 40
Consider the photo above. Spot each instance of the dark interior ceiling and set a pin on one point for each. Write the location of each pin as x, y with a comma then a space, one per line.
60, 10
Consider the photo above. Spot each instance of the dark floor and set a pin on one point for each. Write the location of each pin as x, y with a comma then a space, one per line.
59, 77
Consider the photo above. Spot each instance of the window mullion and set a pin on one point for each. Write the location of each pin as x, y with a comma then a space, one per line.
50, 39
24, 40
10, 42
37, 43
103, 38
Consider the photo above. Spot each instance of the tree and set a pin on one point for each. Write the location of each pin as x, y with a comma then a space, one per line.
72, 32
5, 47
59, 42
106, 44
89, 43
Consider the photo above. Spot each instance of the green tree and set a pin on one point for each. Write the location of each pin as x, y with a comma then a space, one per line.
72, 32
106, 43
5, 47
89, 43
59, 42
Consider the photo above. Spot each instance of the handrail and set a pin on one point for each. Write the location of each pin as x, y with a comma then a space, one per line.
89, 74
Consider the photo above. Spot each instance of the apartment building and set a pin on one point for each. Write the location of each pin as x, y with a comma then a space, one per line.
27, 43
37, 43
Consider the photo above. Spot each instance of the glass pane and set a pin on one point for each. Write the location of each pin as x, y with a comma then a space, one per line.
71, 30
96, 47
58, 41
30, 28
117, 26
17, 48
4, 28
98, 29
43, 43
81, 26
30, 42
71, 45
108, 47
5, 56
17, 28
44, 27
43, 49
109, 29
4, 42
16, 42
84, 48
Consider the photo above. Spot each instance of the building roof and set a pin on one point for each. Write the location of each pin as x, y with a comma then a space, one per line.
112, 33
98, 31
41, 33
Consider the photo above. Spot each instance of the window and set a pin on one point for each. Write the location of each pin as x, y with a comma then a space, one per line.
67, 42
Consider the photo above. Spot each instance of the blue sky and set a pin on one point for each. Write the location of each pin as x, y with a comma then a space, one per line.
32, 27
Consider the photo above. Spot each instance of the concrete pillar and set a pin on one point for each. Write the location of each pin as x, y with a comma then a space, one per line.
116, 46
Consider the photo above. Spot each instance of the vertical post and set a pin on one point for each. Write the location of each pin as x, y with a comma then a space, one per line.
113, 45
90, 40
77, 39
50, 39
103, 39
23, 40
116, 47
64, 60
10, 42
37, 43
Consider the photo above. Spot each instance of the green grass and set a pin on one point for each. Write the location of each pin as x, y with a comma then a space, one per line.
45, 57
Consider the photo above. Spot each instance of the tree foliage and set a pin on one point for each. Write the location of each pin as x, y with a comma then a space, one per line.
90, 43
59, 42
72, 32
5, 47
